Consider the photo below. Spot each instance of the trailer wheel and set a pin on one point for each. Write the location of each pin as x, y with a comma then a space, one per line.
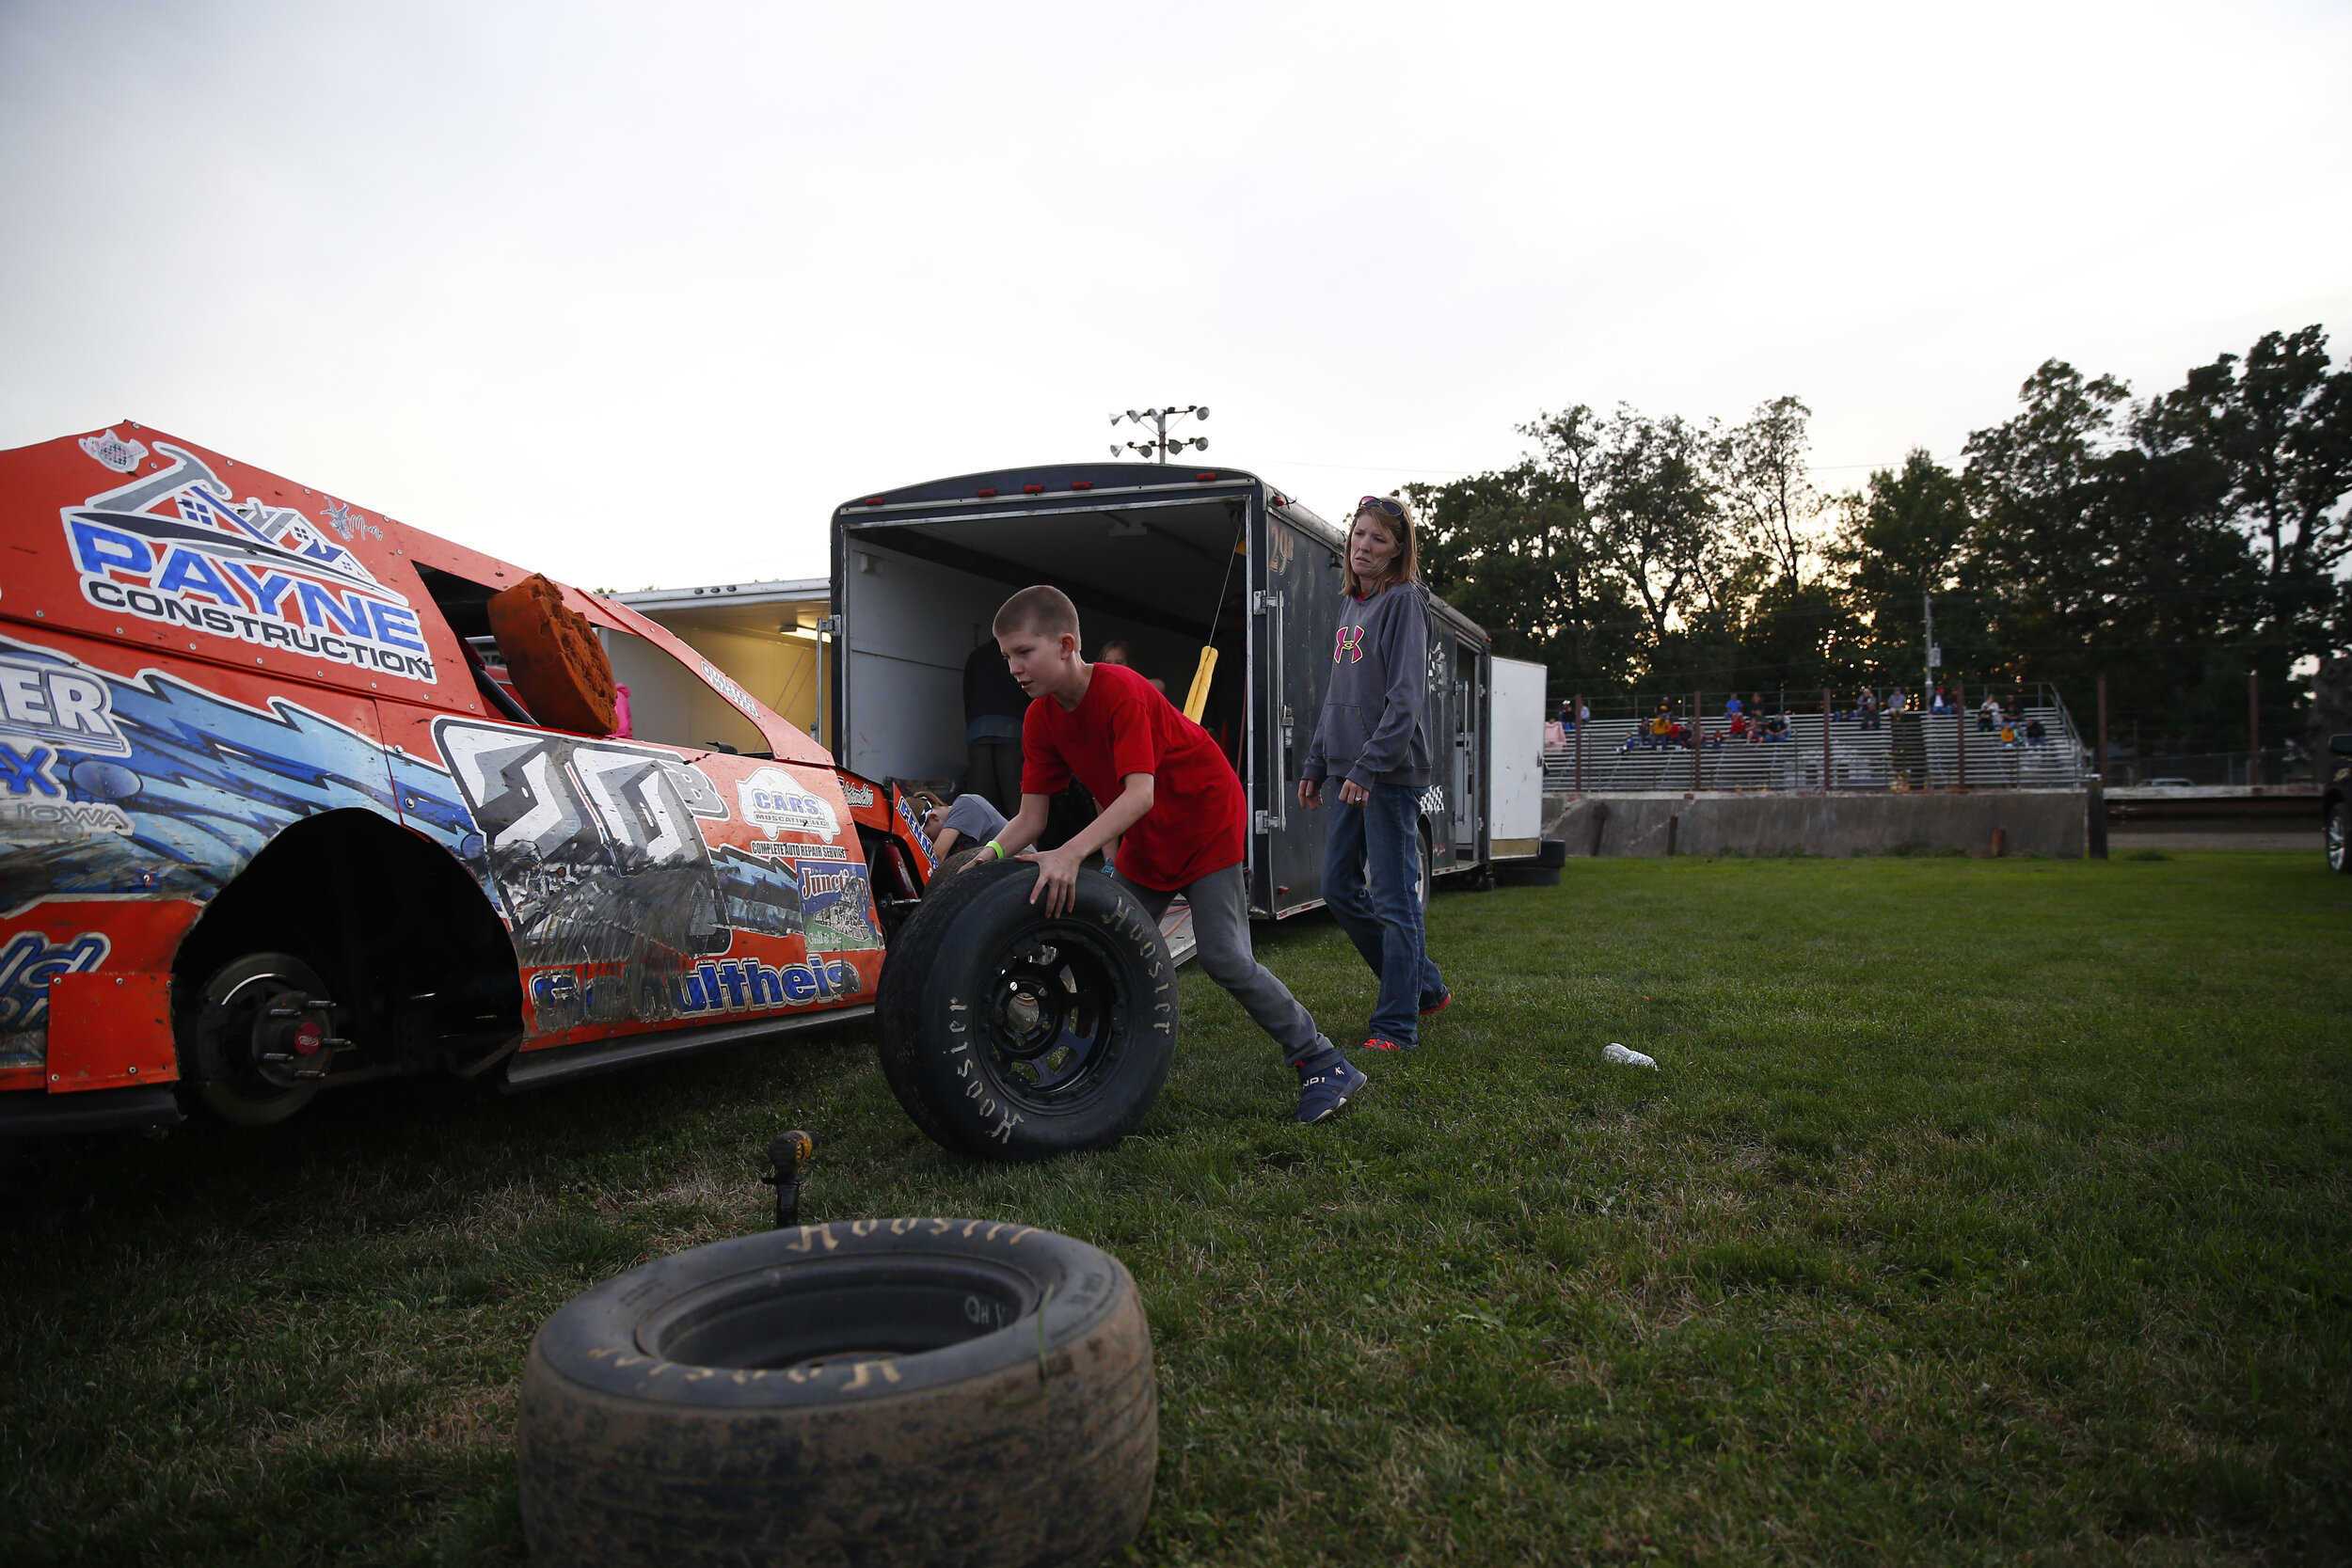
1013, 1036
880, 1392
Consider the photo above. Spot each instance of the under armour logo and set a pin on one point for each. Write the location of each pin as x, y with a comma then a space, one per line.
1351, 642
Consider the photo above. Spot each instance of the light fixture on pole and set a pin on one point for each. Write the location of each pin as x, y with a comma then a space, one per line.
1161, 444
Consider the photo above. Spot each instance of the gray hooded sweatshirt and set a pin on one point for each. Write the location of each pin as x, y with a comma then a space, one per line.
1372, 729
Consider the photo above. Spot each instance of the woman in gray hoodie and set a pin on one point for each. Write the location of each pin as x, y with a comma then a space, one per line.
1372, 738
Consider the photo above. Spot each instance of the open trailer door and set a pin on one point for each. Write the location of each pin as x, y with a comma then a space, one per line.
1294, 596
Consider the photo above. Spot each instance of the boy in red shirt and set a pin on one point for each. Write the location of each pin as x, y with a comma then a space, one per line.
1170, 799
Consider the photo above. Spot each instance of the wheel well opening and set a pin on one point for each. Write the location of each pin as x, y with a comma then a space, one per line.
403, 938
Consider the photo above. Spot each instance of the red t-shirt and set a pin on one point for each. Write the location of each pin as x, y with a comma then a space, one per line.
1123, 726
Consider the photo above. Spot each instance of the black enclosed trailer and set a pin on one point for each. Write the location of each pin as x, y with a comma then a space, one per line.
1168, 560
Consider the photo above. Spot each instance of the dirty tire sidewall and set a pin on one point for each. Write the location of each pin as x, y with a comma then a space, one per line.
907, 964
1031, 1442
935, 1032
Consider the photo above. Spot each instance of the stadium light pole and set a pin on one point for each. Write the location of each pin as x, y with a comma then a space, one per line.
1161, 444
1927, 692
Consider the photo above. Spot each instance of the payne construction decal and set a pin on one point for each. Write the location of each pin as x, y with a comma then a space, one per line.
173, 547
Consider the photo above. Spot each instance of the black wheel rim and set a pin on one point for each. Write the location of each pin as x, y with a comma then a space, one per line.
1055, 1023
260, 1056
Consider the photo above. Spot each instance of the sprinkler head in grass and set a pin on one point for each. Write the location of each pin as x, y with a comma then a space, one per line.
789, 1155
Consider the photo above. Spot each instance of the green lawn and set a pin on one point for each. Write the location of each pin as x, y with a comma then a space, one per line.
1977, 1211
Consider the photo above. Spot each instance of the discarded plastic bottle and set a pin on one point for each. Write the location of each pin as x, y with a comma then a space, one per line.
1612, 1051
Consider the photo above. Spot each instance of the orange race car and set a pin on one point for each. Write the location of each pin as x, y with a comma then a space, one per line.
298, 796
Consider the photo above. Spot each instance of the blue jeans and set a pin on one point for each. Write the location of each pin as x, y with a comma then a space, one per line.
1381, 914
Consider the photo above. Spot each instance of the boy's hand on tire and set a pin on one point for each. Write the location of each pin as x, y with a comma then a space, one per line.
1057, 879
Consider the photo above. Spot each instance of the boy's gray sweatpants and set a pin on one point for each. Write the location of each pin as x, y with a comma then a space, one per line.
1220, 925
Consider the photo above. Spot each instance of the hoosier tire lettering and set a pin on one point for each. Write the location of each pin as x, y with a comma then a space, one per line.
1012, 1036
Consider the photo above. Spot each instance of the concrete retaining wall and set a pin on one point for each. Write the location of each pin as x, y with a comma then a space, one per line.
2040, 822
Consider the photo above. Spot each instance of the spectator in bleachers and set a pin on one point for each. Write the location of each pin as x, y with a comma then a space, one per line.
1866, 708
2009, 733
1989, 716
1732, 706
1555, 734
1776, 727
1943, 702
1898, 700
2013, 709
2035, 734
1739, 729
1661, 726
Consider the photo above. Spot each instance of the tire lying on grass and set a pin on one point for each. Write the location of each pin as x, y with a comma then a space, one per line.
1015, 1036
869, 1391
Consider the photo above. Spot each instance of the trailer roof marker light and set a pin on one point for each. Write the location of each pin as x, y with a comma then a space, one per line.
873, 501
1082, 485
990, 491
1033, 489
1203, 478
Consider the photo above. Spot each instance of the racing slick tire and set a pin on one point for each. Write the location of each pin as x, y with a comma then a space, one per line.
957, 860
880, 1392
1012, 1036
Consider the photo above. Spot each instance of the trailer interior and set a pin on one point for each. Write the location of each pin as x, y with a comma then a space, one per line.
1163, 574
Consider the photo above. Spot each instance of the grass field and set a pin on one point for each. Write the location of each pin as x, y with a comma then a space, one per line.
1978, 1211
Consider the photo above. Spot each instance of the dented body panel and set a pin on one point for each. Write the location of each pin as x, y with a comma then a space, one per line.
197, 657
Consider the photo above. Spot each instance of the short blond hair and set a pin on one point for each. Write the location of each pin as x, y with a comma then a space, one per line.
1040, 608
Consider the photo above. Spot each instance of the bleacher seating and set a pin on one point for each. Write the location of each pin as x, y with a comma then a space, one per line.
1859, 758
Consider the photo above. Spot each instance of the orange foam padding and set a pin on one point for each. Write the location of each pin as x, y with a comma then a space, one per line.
558, 667
110, 1031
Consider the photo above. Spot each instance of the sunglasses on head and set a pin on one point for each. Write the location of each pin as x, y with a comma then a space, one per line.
1382, 504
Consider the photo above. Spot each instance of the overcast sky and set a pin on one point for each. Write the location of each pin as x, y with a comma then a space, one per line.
636, 293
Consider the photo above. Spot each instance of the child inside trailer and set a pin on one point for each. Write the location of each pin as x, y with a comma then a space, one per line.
1171, 801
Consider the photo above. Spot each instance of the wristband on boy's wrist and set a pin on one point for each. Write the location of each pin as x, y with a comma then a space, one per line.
997, 848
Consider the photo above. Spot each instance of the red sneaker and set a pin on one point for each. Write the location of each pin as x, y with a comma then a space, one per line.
1381, 1042
1444, 1003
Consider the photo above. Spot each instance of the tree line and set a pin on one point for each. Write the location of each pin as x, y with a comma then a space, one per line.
2171, 543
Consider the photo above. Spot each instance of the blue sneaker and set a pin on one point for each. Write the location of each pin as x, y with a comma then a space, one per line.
1324, 1091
